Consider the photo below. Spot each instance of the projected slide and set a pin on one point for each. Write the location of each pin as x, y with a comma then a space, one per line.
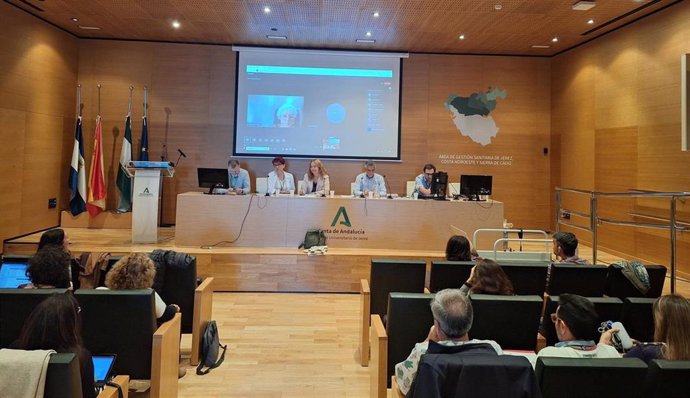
317, 104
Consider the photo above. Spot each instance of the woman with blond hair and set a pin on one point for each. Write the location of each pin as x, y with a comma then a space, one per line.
316, 180
671, 324
136, 271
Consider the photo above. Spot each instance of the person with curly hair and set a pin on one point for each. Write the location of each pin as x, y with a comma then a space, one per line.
487, 277
136, 271
55, 324
48, 269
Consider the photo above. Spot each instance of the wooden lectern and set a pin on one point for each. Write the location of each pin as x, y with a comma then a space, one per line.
147, 181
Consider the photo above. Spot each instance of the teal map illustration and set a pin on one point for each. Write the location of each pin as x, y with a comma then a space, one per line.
471, 115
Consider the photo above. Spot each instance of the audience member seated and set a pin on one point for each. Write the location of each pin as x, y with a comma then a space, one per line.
565, 248
316, 180
487, 277
671, 326
452, 311
48, 269
55, 325
137, 271
55, 237
576, 323
458, 248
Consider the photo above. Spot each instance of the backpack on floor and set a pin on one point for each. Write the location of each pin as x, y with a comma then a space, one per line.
210, 345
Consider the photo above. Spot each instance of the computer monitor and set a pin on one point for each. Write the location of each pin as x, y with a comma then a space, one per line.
212, 178
472, 186
439, 183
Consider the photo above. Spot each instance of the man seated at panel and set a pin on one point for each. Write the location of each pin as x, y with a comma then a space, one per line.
565, 248
238, 178
422, 184
453, 316
576, 324
369, 181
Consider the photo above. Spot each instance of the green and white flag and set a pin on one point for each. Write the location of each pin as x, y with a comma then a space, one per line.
124, 183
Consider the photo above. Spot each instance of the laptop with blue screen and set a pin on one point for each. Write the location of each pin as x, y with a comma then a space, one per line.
13, 274
102, 368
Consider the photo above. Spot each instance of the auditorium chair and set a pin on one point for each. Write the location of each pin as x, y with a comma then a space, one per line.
409, 188
590, 377
15, 307
667, 379
123, 322
638, 318
409, 321
386, 276
261, 184
527, 278
512, 321
583, 279
449, 274
617, 285
608, 309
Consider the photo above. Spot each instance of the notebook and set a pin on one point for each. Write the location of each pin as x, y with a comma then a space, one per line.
102, 368
13, 274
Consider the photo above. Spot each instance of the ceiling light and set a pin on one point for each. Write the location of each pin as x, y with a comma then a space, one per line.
89, 27
267, 10
376, 14
75, 19
365, 41
540, 46
176, 24
584, 5
555, 39
590, 21
368, 34
276, 37
498, 7
461, 37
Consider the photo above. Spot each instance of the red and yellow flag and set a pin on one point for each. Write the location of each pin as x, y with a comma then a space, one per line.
97, 192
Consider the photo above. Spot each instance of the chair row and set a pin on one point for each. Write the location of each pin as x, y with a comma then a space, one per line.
122, 322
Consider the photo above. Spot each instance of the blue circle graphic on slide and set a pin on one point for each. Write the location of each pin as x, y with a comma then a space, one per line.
335, 113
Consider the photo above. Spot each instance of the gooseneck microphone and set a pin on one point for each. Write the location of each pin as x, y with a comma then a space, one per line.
182, 155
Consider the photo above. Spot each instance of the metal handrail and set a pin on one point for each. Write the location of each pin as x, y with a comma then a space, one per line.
506, 231
673, 225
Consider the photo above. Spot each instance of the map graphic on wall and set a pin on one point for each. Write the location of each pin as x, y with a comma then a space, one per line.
471, 115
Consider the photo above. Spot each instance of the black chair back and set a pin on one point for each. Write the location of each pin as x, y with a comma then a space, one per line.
590, 377
527, 278
387, 276
585, 280
617, 285
121, 322
457, 375
449, 274
409, 321
608, 309
668, 379
511, 321
15, 307
179, 283
63, 378
638, 318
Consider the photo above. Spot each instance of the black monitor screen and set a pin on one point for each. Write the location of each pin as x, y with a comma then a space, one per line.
210, 178
474, 185
439, 182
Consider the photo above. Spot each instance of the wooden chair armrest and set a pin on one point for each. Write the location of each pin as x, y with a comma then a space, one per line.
111, 392
365, 305
541, 342
427, 291
165, 359
203, 308
395, 388
379, 358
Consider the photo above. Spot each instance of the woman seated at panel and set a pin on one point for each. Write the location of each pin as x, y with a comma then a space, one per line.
671, 325
316, 180
458, 248
279, 180
136, 271
55, 324
49, 269
487, 277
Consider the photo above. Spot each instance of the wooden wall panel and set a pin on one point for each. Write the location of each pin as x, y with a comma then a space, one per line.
38, 75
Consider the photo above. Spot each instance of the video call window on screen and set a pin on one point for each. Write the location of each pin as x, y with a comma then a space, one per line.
274, 111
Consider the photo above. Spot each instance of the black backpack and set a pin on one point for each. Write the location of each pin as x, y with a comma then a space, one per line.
210, 345
313, 237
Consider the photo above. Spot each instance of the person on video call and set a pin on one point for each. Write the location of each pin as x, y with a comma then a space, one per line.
280, 180
238, 178
287, 116
422, 184
316, 179
370, 181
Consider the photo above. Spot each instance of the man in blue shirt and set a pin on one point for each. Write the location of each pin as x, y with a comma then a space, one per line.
422, 184
370, 181
238, 178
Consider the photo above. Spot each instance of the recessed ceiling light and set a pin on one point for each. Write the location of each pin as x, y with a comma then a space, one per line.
555, 39
584, 5
89, 27
75, 19
368, 34
461, 37
540, 46
276, 37
176, 24
590, 21
365, 41
498, 7
376, 14
267, 10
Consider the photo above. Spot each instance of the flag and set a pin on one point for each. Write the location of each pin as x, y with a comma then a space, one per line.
124, 183
77, 175
144, 152
97, 193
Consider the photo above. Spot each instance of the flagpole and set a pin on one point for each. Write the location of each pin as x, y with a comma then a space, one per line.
78, 100
99, 99
129, 106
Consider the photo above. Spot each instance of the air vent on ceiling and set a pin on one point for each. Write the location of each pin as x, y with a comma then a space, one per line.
584, 5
